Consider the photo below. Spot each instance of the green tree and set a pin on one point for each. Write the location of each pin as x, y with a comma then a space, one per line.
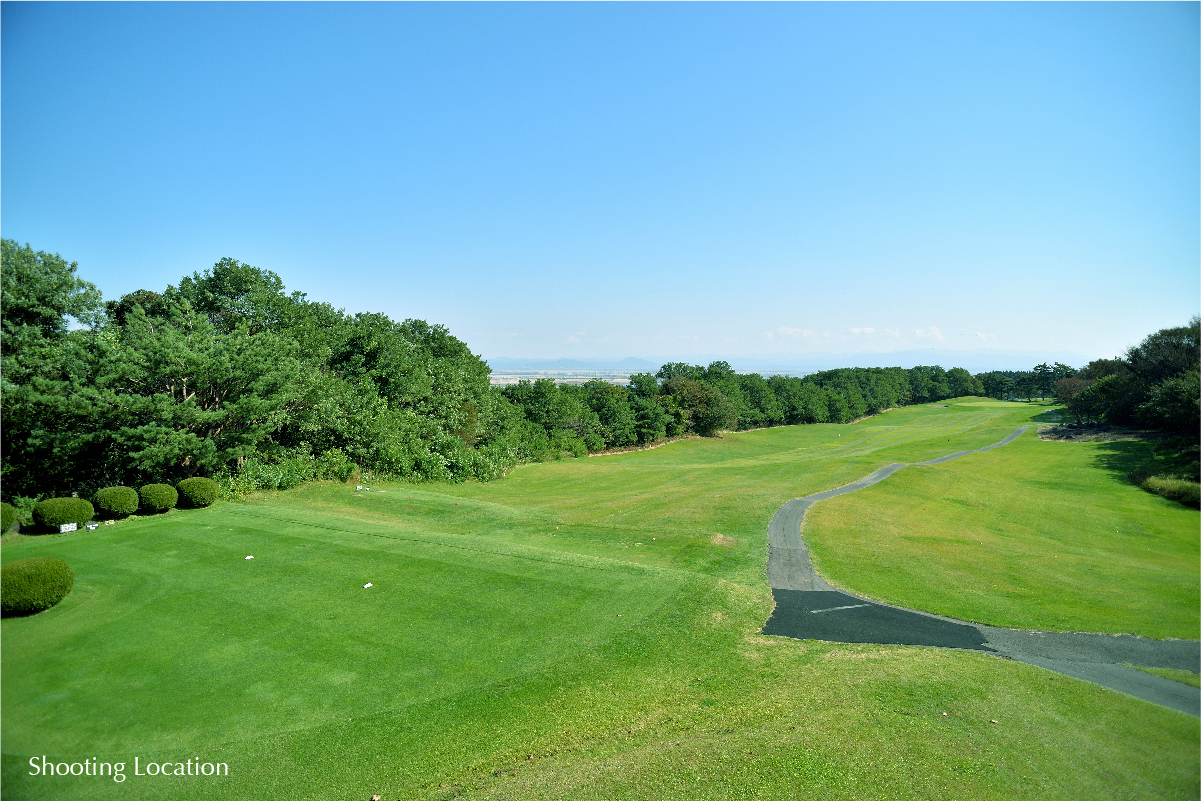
191, 398
962, 383
705, 409
54, 419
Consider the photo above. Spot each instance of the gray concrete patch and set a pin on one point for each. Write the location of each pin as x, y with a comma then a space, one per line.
807, 607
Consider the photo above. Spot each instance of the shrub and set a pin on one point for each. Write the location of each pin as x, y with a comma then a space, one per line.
116, 501
158, 497
198, 492
28, 586
53, 512
8, 516
1176, 489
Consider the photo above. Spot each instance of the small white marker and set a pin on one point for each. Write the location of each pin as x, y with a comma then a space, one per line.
368, 584
836, 608
249, 557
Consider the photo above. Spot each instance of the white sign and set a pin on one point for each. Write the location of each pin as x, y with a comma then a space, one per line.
68, 527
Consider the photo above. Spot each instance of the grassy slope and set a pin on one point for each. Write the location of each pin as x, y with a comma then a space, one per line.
489, 656
1034, 535
1182, 676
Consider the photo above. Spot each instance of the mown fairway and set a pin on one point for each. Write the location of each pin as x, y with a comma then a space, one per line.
588, 629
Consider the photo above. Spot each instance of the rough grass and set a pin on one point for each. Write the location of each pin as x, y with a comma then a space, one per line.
1176, 489
584, 629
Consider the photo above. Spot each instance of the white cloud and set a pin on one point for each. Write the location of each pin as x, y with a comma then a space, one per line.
930, 332
863, 330
797, 332
891, 332
986, 337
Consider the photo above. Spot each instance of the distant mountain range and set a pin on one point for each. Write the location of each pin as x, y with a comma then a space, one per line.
977, 361
503, 364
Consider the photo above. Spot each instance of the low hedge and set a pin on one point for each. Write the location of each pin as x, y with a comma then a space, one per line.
158, 497
8, 516
117, 501
53, 512
198, 492
28, 586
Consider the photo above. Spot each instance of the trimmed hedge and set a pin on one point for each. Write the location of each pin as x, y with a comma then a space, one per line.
117, 501
198, 492
158, 497
53, 512
28, 586
8, 516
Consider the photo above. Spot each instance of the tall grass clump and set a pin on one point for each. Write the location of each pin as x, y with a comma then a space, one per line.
1176, 489
285, 471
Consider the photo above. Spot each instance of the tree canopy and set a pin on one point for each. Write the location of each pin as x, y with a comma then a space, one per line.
227, 374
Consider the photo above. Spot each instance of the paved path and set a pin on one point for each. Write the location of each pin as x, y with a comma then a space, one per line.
809, 608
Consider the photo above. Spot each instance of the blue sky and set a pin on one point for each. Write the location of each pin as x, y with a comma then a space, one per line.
652, 180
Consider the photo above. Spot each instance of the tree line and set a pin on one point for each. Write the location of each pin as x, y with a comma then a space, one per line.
1156, 384
226, 374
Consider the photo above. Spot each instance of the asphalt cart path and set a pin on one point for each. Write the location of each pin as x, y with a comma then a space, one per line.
806, 607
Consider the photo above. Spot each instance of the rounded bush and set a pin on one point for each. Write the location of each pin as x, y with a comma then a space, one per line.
8, 516
28, 586
117, 501
198, 492
53, 512
158, 497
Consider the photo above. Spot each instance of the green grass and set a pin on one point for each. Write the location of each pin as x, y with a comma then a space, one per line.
1044, 535
584, 629
1182, 676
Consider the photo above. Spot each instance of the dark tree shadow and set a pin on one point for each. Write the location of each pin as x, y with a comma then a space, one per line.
1126, 457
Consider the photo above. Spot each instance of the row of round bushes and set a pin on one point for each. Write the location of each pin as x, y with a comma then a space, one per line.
118, 502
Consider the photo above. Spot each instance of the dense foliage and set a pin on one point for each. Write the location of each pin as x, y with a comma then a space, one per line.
224, 372
1040, 382
54, 512
198, 492
116, 502
29, 586
226, 375
158, 498
8, 516
1156, 384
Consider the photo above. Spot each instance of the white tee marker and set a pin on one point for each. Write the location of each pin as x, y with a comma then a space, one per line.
249, 557
368, 584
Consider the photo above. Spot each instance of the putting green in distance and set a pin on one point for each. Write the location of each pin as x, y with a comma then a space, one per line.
582, 629
992, 404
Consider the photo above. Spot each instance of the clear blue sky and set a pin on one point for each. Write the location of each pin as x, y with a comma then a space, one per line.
564, 180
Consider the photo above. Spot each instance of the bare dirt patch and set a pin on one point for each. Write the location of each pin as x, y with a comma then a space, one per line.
723, 540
